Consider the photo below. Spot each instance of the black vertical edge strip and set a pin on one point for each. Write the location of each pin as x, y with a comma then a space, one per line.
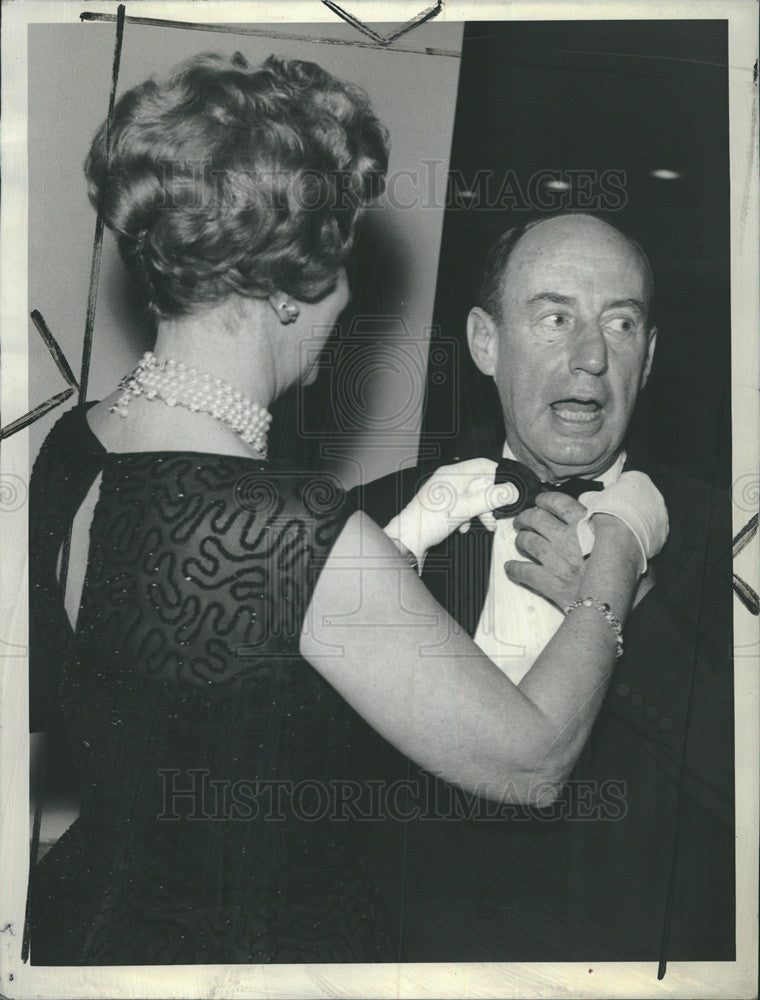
670, 890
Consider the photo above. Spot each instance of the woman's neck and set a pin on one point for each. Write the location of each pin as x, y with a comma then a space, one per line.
229, 342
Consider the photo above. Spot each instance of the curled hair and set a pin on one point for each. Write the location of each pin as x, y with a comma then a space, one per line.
230, 179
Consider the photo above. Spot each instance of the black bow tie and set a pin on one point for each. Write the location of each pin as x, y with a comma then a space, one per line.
529, 486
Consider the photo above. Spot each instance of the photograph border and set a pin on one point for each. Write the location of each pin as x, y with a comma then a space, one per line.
736, 979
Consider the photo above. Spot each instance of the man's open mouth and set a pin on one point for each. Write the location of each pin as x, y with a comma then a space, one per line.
578, 411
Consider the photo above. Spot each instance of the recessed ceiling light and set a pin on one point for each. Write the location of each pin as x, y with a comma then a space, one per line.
555, 185
666, 175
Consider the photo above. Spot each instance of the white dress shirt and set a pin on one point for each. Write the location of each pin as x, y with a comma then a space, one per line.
516, 624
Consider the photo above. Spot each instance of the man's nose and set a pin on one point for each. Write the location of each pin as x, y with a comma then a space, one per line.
588, 351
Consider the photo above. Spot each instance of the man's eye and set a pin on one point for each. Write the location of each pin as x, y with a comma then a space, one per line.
556, 321
621, 324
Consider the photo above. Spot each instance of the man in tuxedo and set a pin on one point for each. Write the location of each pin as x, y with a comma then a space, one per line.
636, 861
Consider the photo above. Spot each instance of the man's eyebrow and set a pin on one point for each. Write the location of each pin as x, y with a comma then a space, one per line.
630, 303
567, 300
554, 297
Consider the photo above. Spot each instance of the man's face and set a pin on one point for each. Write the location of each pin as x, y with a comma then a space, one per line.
573, 347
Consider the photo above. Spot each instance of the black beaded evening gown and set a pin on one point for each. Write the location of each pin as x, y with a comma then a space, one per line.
208, 752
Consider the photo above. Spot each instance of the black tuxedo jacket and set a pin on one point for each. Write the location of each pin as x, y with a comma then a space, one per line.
636, 862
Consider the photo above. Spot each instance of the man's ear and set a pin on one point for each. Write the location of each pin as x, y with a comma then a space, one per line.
483, 340
650, 356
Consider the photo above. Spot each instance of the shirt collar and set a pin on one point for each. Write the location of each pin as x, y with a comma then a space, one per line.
607, 478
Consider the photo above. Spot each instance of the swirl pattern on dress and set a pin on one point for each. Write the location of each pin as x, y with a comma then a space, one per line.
182, 575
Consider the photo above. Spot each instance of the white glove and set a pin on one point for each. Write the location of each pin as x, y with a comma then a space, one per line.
638, 503
448, 501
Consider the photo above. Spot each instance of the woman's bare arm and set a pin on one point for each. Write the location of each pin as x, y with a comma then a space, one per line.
377, 635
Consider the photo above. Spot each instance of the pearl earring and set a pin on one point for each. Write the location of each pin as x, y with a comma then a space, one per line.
291, 309
287, 310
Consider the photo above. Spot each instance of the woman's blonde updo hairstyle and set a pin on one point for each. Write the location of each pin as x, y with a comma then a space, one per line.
226, 178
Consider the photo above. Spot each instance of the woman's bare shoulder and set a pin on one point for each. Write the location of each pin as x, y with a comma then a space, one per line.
101, 421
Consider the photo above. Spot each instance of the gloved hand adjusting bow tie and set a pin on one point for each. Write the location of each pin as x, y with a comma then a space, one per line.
529, 486
455, 494
633, 498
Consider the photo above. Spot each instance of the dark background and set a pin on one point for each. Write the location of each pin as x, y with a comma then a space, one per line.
632, 96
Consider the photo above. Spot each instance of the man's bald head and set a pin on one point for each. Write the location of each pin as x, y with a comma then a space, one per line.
491, 294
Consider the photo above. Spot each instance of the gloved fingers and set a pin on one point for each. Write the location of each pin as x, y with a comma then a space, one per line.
488, 520
458, 491
476, 467
485, 497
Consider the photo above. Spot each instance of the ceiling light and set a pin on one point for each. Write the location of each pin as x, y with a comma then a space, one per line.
666, 175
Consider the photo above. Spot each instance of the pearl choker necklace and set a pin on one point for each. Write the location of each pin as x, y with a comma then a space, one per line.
177, 385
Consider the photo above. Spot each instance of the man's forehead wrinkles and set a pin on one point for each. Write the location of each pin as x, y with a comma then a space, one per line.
530, 284
555, 297
601, 267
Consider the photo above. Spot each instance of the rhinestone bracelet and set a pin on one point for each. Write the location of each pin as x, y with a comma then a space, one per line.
606, 611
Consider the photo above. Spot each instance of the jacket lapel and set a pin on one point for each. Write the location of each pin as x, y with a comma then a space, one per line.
457, 572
